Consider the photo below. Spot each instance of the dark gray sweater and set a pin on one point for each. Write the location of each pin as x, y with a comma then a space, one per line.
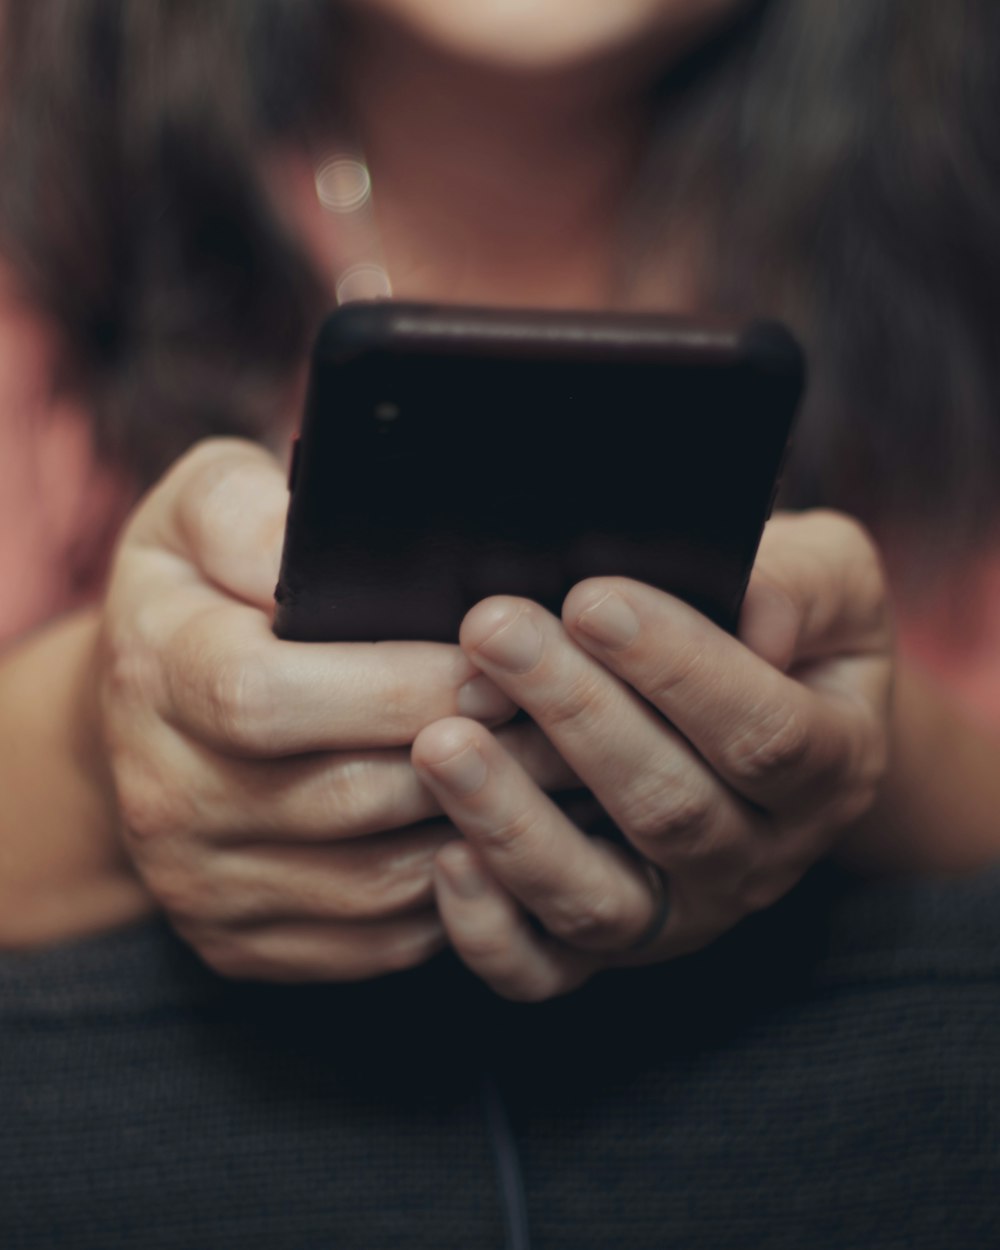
827, 1076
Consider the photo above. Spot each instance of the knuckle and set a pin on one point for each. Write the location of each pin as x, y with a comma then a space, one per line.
354, 901
348, 797
686, 666
130, 670
506, 836
667, 815
582, 697
593, 922
187, 897
778, 745
149, 809
399, 707
237, 699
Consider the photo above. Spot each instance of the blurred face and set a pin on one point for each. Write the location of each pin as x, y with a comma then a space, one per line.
537, 35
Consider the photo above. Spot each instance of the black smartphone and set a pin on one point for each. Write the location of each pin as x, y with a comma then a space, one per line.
452, 453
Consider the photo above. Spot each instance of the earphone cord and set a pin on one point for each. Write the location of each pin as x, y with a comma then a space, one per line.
510, 1178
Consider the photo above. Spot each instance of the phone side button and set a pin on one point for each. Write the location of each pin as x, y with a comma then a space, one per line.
293, 464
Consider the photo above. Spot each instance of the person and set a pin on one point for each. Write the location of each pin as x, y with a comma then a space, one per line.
332, 814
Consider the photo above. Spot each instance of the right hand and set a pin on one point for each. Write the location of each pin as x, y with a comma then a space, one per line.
265, 789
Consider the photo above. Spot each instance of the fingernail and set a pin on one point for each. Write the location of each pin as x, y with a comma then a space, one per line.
463, 773
459, 874
516, 646
611, 621
480, 699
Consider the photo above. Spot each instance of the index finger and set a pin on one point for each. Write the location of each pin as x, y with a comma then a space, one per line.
232, 685
215, 525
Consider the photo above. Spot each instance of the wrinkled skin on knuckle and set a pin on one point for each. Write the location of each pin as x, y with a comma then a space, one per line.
361, 881
356, 791
130, 677
660, 813
846, 774
685, 666
387, 893
354, 896
238, 699
351, 792
779, 746
403, 708
394, 702
150, 808
581, 700
706, 852
509, 835
189, 898
337, 801
267, 896
597, 921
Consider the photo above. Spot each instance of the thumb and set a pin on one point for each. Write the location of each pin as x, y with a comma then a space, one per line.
221, 509
817, 590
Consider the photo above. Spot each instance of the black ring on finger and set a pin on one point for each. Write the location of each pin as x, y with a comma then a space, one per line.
661, 910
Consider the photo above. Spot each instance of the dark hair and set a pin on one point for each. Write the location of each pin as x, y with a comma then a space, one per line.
131, 209
840, 158
847, 160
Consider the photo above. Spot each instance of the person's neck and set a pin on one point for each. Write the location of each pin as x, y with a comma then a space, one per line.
493, 187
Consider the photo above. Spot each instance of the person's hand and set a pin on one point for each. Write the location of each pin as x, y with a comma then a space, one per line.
728, 765
265, 789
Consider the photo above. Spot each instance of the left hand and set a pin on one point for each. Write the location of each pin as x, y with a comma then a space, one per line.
729, 764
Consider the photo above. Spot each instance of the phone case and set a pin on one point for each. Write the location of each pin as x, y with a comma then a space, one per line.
448, 454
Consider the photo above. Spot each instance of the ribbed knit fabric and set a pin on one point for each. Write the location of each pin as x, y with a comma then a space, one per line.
827, 1076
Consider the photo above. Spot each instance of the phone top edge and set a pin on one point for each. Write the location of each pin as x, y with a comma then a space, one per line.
459, 330
771, 348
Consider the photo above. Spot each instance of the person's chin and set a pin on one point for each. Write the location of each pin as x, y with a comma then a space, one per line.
552, 38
